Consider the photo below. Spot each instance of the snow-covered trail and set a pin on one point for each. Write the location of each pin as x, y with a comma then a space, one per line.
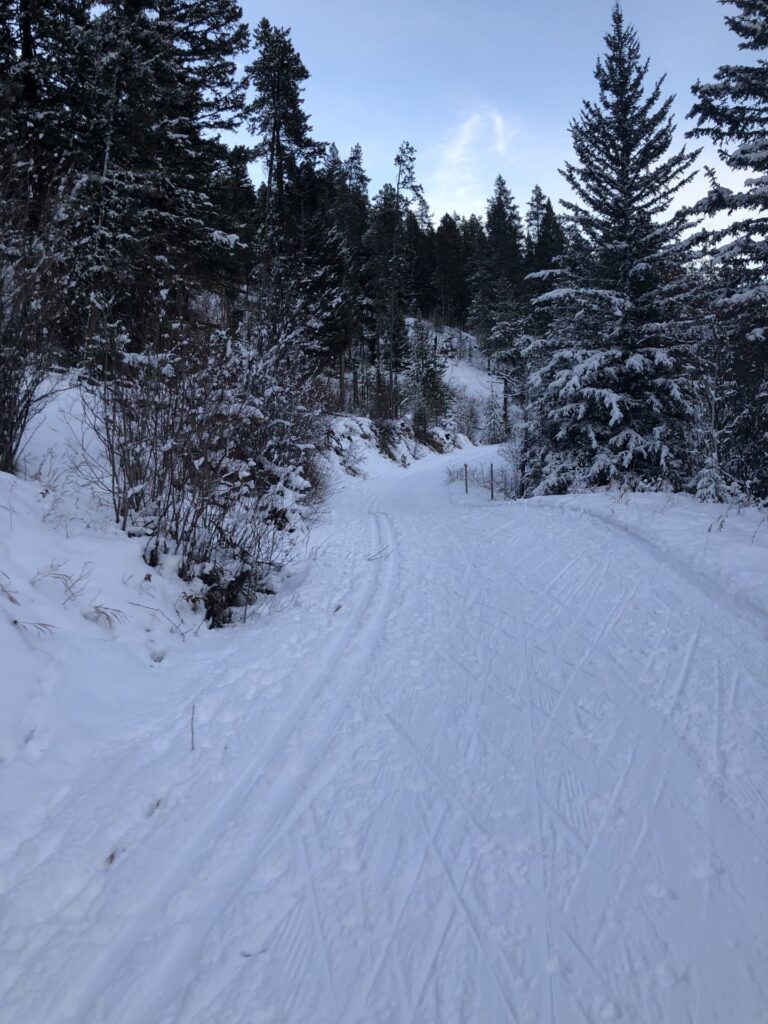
510, 764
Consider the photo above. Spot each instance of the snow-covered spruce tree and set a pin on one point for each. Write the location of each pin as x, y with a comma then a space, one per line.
344, 210
407, 191
517, 319
733, 112
293, 287
614, 391
41, 99
426, 390
504, 256
495, 427
387, 268
163, 84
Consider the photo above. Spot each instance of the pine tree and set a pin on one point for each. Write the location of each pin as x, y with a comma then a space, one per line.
614, 389
498, 275
419, 248
276, 115
346, 211
140, 222
426, 389
284, 145
450, 273
733, 112
44, 65
534, 218
388, 267
550, 241
504, 232
495, 428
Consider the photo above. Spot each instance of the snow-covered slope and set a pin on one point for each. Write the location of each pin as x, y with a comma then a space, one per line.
476, 762
474, 380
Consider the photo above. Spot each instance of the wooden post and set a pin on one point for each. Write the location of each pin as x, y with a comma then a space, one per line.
491, 481
466, 479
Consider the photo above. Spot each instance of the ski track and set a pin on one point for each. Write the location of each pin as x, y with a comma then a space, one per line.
524, 779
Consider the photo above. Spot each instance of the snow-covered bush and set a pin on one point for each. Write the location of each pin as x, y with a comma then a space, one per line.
210, 452
467, 414
495, 428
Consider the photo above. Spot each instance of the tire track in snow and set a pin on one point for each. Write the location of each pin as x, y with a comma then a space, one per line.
105, 968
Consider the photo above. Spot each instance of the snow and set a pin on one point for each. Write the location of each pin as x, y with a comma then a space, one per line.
476, 381
474, 761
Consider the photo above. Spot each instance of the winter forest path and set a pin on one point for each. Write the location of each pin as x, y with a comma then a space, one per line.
502, 764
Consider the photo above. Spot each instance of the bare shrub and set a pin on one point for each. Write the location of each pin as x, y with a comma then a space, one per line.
467, 414
206, 445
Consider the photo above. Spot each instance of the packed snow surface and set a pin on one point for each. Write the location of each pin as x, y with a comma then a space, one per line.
475, 762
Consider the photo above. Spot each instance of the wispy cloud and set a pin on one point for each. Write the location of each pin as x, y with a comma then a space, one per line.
466, 163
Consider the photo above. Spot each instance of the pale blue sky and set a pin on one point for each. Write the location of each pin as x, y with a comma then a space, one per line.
480, 88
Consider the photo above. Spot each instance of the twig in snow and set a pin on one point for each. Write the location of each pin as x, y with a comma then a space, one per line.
384, 553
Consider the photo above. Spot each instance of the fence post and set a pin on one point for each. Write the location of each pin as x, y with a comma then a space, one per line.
491, 481
466, 479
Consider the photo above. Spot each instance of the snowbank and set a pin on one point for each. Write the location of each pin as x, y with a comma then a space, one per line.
722, 548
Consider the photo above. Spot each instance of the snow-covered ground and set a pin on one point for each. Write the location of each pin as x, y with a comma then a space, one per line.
475, 762
473, 379
466, 367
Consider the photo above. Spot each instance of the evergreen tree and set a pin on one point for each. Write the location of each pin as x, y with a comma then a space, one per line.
481, 285
550, 243
140, 221
614, 378
388, 266
419, 246
283, 269
452, 299
733, 112
346, 213
504, 232
276, 115
533, 221
44, 64
426, 389
495, 426
497, 280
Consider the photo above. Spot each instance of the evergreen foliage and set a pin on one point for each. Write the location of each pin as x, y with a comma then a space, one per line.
732, 111
614, 370
426, 390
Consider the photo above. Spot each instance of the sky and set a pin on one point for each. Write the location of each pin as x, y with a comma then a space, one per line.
480, 88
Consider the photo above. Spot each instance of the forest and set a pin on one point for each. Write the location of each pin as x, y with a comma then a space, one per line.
216, 303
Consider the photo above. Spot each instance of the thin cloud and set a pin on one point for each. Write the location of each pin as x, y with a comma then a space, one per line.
464, 165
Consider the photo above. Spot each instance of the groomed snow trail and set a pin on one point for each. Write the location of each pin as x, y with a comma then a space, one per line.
523, 777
